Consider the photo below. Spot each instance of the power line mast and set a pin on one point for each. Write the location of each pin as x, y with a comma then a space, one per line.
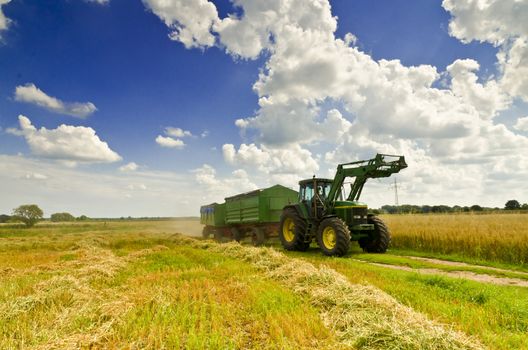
395, 186
396, 201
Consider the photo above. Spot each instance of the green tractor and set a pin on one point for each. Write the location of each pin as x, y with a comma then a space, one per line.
321, 212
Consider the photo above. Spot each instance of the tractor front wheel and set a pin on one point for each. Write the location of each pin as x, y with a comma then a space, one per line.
292, 230
333, 237
379, 239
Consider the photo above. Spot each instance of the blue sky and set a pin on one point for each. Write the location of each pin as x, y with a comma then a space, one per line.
117, 56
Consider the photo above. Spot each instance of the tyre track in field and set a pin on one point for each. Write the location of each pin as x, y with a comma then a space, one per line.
469, 275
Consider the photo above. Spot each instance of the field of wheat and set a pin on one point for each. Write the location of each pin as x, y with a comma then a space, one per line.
491, 237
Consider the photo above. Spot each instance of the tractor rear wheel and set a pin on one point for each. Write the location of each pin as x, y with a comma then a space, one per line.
333, 237
379, 239
292, 230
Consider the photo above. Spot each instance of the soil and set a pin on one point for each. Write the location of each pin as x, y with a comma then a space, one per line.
506, 281
454, 263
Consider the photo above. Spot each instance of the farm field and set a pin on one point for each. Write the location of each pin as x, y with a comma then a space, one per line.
140, 284
477, 237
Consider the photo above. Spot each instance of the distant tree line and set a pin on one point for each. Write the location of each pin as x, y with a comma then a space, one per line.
30, 214
512, 204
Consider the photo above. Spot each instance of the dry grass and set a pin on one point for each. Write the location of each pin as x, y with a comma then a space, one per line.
119, 288
494, 237
363, 317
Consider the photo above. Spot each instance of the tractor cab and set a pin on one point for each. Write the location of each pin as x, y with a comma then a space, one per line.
310, 187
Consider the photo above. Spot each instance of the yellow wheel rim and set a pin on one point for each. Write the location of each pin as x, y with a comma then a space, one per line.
288, 230
329, 237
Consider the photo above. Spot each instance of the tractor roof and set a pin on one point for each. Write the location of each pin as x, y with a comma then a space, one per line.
318, 179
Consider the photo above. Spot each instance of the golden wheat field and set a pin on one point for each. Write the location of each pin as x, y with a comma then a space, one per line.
494, 237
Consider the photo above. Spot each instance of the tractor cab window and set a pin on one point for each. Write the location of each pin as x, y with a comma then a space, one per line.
307, 192
323, 189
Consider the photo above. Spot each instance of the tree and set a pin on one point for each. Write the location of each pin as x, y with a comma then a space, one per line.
512, 204
58, 217
476, 207
4, 218
82, 218
524, 206
29, 214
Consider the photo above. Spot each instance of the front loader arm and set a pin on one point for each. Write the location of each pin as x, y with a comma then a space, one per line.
362, 171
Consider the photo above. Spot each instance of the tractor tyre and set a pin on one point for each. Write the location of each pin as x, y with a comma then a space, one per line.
379, 239
237, 234
333, 236
292, 231
258, 237
206, 232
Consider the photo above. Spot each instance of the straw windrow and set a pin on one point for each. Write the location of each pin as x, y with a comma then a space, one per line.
363, 317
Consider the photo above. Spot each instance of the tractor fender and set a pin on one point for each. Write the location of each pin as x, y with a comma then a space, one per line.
297, 208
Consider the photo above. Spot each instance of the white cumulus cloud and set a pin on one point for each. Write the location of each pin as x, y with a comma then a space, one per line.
129, 167
522, 124
177, 132
68, 143
322, 100
4, 21
30, 93
190, 21
169, 142
215, 188
502, 23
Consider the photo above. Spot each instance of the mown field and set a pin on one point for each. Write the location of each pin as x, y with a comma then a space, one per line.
139, 284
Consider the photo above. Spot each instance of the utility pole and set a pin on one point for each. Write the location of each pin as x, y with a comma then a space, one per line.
396, 201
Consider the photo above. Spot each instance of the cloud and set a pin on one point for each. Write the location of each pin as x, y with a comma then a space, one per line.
177, 132
501, 23
137, 187
522, 124
268, 160
190, 21
35, 176
216, 188
4, 21
173, 138
100, 2
81, 190
66, 143
29, 93
129, 167
322, 100
169, 142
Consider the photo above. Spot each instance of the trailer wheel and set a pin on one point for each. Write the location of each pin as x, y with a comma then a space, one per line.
206, 232
218, 235
258, 237
379, 239
292, 230
333, 237
237, 234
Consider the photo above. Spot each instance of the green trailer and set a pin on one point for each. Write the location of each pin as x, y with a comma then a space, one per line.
255, 214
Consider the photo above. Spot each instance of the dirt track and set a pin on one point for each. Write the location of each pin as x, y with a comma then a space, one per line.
506, 281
